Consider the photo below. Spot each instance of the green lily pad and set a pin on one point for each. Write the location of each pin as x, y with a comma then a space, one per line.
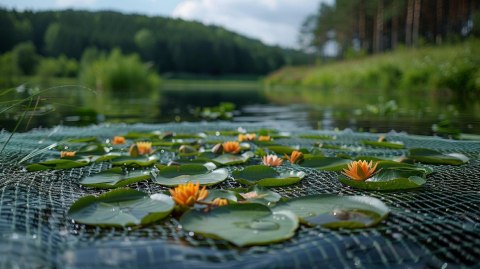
83, 140
224, 194
431, 156
232, 159
114, 178
180, 174
384, 144
128, 161
266, 176
121, 207
389, 179
56, 164
325, 163
314, 136
133, 135
332, 211
281, 149
242, 224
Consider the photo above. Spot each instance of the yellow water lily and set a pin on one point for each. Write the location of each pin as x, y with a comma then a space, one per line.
264, 138
246, 137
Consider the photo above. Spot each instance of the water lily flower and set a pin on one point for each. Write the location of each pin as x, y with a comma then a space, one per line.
295, 157
272, 160
249, 195
64, 154
231, 147
264, 138
219, 202
117, 140
360, 170
246, 137
188, 194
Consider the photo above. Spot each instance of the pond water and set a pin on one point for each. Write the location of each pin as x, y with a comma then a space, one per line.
286, 107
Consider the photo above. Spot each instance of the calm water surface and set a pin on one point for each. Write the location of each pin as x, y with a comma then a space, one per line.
286, 107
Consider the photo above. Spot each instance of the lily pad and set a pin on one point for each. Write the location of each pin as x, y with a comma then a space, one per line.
180, 174
389, 179
121, 207
266, 176
281, 149
314, 136
325, 163
56, 164
114, 178
83, 140
232, 159
225, 194
384, 144
242, 224
332, 211
128, 161
431, 156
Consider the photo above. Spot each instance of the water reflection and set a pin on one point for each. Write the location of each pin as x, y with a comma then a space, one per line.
286, 107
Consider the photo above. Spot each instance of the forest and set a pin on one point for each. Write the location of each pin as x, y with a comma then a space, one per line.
168, 45
362, 27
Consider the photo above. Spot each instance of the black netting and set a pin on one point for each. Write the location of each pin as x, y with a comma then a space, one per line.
437, 226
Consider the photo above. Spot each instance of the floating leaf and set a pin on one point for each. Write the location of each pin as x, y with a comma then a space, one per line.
83, 140
121, 207
224, 194
242, 224
128, 161
333, 211
281, 149
314, 136
389, 179
56, 164
180, 174
325, 163
114, 178
435, 157
266, 176
232, 159
384, 144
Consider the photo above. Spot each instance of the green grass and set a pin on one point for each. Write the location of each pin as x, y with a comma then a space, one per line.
453, 67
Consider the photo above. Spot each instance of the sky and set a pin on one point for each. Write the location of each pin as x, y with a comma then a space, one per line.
275, 22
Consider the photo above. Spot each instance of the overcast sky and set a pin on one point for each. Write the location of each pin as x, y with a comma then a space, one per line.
275, 22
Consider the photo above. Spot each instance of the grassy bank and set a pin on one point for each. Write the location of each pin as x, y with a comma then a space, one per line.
453, 67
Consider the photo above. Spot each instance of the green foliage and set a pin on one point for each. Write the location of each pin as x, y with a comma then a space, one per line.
117, 72
453, 67
171, 45
25, 57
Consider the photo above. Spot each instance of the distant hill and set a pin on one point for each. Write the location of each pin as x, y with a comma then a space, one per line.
171, 45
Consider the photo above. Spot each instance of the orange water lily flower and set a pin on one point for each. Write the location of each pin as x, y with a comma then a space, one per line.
360, 170
144, 148
295, 157
188, 194
264, 138
64, 154
272, 160
231, 147
247, 137
117, 140
219, 202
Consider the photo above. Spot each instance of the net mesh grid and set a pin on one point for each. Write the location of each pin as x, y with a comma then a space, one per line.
437, 226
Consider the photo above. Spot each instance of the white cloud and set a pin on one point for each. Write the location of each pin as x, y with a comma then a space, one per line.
275, 22
74, 3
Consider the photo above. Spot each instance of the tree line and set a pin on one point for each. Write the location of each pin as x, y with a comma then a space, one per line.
374, 26
169, 45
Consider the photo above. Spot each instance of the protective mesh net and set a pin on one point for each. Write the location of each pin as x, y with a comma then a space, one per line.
434, 227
